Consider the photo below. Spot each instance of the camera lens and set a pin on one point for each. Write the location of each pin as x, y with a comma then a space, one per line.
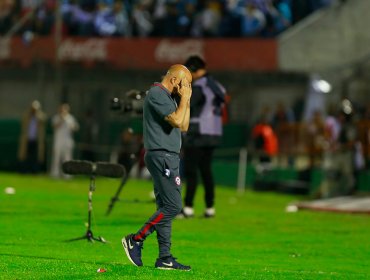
115, 104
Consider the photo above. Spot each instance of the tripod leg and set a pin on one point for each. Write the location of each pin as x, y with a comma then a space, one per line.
100, 239
89, 235
115, 198
92, 238
76, 239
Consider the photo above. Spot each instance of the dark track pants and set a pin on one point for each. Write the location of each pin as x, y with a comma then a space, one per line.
199, 159
164, 168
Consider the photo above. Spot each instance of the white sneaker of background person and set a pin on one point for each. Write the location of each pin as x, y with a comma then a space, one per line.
210, 212
186, 212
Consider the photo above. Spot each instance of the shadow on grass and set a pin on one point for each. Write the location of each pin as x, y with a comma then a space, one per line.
58, 259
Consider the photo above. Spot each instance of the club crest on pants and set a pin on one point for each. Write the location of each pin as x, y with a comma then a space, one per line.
178, 180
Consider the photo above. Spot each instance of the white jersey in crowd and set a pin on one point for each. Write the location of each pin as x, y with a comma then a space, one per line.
63, 133
64, 126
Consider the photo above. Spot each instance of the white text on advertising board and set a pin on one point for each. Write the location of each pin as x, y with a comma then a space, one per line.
175, 52
92, 49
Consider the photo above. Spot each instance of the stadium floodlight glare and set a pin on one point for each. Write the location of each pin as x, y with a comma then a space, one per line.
322, 86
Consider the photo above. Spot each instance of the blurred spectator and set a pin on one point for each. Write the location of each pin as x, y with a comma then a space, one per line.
78, 17
282, 115
230, 19
339, 164
170, 24
253, 21
178, 19
64, 124
7, 15
186, 10
159, 17
207, 22
315, 138
112, 21
332, 128
170, 18
265, 115
264, 140
278, 17
31, 151
142, 18
282, 121
29, 5
45, 18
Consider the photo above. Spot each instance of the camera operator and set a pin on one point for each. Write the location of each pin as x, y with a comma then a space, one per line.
204, 134
130, 146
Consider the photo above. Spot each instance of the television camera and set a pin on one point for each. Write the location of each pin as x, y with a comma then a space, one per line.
130, 106
131, 103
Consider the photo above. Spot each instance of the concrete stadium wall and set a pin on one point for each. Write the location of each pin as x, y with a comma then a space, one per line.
93, 88
81, 88
328, 40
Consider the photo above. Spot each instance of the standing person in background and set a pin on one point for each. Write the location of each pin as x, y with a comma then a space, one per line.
203, 136
64, 124
31, 153
315, 136
338, 165
265, 140
163, 121
282, 123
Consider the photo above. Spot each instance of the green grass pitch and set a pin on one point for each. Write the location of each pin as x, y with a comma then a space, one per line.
252, 236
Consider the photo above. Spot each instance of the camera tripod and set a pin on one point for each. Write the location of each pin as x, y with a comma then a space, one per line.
89, 234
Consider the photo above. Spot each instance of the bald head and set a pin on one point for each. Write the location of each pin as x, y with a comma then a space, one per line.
179, 71
177, 74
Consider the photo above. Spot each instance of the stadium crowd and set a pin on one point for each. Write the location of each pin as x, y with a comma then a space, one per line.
169, 18
336, 140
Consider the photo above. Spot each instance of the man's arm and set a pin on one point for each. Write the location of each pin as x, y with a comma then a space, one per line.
180, 118
176, 119
185, 124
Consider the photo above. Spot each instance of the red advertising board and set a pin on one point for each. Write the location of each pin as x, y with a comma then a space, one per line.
220, 54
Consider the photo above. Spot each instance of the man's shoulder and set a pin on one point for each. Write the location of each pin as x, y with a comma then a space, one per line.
158, 93
155, 91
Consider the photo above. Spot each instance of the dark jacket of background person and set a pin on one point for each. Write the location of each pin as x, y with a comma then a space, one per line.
206, 104
40, 118
203, 135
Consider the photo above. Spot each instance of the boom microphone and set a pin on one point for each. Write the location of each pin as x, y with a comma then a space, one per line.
78, 167
110, 170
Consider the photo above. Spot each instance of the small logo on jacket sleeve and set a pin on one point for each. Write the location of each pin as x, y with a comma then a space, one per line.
178, 180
